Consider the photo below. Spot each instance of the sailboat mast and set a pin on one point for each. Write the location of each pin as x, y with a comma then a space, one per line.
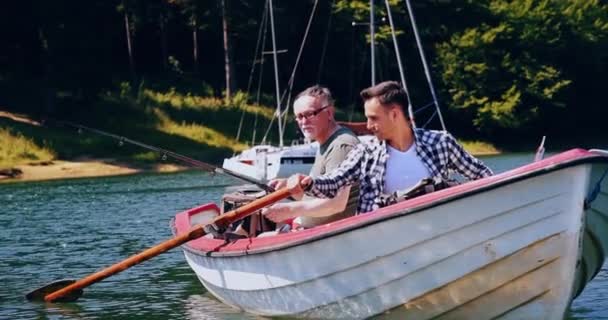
276, 75
424, 64
410, 109
372, 25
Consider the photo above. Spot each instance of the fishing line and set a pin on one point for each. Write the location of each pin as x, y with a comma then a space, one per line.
167, 153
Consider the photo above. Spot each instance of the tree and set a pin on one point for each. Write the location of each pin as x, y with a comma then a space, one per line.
228, 60
163, 20
509, 70
124, 8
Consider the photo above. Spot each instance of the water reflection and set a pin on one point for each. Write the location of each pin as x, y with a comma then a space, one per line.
205, 307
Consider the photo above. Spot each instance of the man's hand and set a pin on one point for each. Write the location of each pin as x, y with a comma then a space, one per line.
297, 183
280, 212
277, 213
277, 184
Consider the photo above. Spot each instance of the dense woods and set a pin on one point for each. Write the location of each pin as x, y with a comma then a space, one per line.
502, 69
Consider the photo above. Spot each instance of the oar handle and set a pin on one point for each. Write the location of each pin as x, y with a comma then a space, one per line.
194, 233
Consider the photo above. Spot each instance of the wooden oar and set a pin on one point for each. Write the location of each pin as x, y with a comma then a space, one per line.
71, 290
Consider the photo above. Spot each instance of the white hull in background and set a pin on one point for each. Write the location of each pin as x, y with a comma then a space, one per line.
267, 162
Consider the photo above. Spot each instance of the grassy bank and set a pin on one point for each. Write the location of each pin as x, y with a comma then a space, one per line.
479, 147
17, 149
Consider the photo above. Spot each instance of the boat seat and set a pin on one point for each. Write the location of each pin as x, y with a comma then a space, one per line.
250, 226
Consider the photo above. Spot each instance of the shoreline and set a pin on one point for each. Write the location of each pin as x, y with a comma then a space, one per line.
83, 168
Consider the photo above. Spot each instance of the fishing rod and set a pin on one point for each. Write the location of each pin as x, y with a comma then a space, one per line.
192, 162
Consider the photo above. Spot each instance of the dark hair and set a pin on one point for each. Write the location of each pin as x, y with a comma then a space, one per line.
318, 92
387, 92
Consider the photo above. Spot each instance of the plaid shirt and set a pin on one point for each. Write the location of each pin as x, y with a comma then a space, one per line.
366, 164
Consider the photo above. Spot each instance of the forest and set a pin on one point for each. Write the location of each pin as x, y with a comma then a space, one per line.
503, 70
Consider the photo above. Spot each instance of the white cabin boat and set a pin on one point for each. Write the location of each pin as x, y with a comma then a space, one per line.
517, 245
266, 162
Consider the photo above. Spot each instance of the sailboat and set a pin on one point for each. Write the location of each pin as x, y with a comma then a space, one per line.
265, 162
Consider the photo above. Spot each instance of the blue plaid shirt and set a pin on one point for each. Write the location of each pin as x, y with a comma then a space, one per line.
366, 164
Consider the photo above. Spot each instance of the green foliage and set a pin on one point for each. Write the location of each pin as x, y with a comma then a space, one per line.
201, 127
358, 10
239, 99
479, 147
175, 66
17, 148
506, 66
508, 70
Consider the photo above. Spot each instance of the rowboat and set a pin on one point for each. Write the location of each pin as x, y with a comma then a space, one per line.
518, 245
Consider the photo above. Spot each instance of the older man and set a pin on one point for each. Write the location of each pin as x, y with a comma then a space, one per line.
314, 112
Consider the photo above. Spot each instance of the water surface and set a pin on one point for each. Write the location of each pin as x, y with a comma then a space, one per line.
72, 228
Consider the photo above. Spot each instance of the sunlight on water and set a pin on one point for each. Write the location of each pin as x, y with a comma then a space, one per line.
72, 228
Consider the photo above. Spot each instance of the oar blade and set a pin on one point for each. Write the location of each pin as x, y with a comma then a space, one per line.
40, 293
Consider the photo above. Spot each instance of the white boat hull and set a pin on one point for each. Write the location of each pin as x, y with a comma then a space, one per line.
512, 248
265, 163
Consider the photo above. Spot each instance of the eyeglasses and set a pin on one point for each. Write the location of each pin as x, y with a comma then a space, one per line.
307, 115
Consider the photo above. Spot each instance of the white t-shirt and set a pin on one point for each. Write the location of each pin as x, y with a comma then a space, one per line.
403, 169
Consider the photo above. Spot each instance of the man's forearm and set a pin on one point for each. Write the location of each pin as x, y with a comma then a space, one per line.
323, 207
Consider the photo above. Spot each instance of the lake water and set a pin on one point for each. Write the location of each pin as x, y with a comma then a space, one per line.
72, 228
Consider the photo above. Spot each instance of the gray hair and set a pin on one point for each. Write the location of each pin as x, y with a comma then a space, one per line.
318, 92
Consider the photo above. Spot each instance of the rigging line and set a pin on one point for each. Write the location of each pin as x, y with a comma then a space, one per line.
351, 75
263, 141
268, 130
424, 64
359, 79
238, 132
276, 73
424, 107
255, 124
295, 67
430, 118
257, 46
253, 64
372, 36
325, 40
282, 113
260, 76
410, 109
193, 162
306, 32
